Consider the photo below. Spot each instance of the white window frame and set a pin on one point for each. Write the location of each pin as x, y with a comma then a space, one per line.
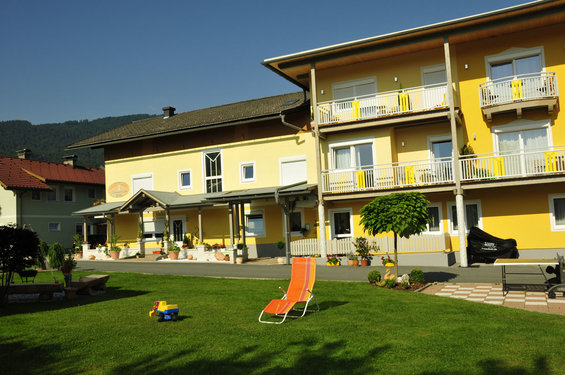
352, 83
179, 174
438, 138
553, 225
521, 125
242, 166
438, 205
56, 229
296, 233
287, 159
451, 204
350, 143
204, 177
512, 54
72, 189
142, 176
255, 212
432, 69
332, 223
154, 220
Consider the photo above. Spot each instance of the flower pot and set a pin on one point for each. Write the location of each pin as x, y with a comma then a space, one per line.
174, 255
332, 264
389, 264
364, 262
227, 258
239, 260
115, 254
78, 255
353, 263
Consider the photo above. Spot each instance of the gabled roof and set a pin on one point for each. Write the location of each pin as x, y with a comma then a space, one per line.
18, 173
200, 119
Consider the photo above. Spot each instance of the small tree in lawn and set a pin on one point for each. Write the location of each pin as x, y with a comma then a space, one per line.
18, 250
403, 214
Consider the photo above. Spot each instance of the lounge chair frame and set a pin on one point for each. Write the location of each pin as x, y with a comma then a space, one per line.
287, 314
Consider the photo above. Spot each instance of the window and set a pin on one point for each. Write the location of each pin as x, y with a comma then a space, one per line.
341, 222
185, 179
557, 212
522, 144
153, 228
432, 75
78, 229
293, 169
69, 195
36, 195
52, 195
473, 216
296, 222
352, 154
434, 212
213, 171
142, 181
512, 63
255, 224
352, 89
54, 227
247, 171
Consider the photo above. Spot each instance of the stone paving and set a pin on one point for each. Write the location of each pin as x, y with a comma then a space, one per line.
492, 294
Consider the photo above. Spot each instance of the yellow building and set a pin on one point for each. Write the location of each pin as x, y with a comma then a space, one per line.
465, 111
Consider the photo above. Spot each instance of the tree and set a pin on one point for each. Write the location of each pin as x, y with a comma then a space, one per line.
18, 250
403, 214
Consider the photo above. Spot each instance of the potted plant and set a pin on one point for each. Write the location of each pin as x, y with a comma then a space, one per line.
227, 258
333, 260
69, 263
77, 246
353, 260
362, 249
387, 262
185, 242
173, 251
114, 249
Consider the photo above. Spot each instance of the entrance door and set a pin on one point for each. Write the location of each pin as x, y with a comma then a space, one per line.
178, 230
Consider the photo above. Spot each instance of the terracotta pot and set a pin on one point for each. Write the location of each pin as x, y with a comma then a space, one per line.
353, 263
364, 262
174, 255
115, 254
227, 258
239, 260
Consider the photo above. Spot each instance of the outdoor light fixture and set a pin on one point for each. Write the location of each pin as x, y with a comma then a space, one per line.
395, 79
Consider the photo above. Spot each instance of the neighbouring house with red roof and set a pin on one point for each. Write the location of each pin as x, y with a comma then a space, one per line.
41, 196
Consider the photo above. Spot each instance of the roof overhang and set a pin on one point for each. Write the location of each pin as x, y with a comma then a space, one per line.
296, 67
274, 192
101, 209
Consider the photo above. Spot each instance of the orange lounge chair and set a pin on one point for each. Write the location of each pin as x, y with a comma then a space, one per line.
299, 291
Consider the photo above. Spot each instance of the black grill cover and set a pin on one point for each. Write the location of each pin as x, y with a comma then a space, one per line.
486, 248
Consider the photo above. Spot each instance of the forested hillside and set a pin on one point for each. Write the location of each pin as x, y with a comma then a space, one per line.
48, 141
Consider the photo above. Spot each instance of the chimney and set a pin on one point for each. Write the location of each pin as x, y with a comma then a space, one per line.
70, 160
24, 153
168, 111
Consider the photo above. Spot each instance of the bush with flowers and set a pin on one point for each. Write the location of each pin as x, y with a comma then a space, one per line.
387, 260
333, 260
218, 247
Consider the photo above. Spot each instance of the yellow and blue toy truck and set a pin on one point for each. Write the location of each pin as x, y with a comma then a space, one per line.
164, 311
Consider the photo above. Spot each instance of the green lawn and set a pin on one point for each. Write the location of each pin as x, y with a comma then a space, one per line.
359, 330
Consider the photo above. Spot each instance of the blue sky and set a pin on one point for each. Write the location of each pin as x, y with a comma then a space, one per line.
74, 60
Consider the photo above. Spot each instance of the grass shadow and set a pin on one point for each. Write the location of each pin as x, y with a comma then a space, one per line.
112, 293
499, 367
326, 305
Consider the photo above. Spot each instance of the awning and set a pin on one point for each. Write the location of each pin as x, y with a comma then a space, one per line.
148, 198
245, 196
101, 209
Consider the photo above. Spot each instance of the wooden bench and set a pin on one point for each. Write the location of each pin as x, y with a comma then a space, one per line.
45, 290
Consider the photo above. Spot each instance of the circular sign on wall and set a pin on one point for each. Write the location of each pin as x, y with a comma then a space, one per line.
118, 189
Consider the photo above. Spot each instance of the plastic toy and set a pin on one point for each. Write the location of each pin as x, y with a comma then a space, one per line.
164, 311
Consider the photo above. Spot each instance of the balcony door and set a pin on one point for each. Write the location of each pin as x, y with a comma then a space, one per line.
512, 68
355, 163
523, 151
441, 151
355, 99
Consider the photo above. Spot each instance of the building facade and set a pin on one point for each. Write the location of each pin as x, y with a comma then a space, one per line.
465, 111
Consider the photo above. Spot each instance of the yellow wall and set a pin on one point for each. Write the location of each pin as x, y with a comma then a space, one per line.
265, 153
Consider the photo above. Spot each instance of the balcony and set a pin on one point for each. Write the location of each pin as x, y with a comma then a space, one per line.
374, 106
429, 173
519, 92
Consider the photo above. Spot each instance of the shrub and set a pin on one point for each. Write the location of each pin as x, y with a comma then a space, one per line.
374, 276
390, 283
42, 251
56, 255
405, 285
417, 276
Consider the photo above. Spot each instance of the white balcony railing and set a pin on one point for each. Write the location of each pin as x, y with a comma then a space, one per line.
495, 166
517, 88
388, 176
384, 104
477, 167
